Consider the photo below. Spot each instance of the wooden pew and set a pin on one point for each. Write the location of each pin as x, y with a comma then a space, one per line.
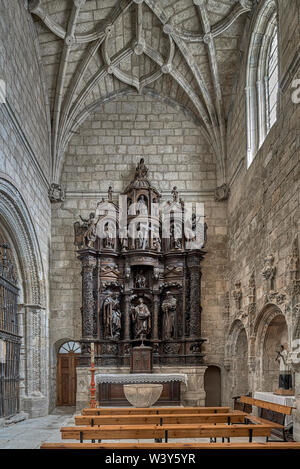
146, 432
161, 446
278, 413
154, 410
161, 419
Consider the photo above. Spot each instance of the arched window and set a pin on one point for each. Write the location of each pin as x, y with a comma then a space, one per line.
272, 81
262, 77
70, 346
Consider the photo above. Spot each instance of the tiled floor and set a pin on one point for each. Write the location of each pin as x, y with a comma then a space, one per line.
30, 434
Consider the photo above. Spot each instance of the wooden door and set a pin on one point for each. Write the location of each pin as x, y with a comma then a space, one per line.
212, 386
66, 378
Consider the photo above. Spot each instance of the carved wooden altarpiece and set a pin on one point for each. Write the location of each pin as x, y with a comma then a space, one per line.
138, 286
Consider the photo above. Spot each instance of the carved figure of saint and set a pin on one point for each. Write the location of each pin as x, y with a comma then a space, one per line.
141, 170
140, 280
169, 310
110, 192
175, 194
285, 378
176, 236
142, 236
107, 316
142, 206
109, 236
90, 227
116, 318
141, 318
112, 317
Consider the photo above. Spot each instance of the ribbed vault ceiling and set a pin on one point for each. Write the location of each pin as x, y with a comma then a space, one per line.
95, 50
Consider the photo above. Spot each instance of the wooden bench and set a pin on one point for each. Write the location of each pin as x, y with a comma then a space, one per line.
157, 432
161, 419
154, 410
159, 446
275, 415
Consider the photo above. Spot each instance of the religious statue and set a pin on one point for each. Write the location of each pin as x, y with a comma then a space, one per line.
285, 377
238, 295
89, 224
140, 281
156, 244
269, 269
112, 317
176, 236
141, 318
175, 194
141, 170
116, 319
109, 192
142, 206
109, 236
169, 310
142, 236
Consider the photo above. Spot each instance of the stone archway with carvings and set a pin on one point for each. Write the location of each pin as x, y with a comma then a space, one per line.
270, 330
236, 359
16, 221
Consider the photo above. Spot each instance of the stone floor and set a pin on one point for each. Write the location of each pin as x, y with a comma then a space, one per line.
30, 434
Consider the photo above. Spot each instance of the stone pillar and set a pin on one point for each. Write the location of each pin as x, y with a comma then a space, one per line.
88, 259
34, 397
194, 259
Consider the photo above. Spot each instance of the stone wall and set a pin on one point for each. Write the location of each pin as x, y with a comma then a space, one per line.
25, 163
105, 152
263, 208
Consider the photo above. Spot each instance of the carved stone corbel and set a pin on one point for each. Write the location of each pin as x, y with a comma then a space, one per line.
56, 193
222, 193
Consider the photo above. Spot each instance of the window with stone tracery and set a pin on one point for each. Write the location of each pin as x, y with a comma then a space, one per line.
272, 81
262, 78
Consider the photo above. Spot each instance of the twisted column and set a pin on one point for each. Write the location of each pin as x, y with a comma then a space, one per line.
88, 302
195, 294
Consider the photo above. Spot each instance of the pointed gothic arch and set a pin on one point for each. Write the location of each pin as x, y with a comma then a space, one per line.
16, 221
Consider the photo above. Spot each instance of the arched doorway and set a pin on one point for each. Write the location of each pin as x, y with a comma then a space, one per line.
67, 360
10, 339
276, 335
212, 386
271, 331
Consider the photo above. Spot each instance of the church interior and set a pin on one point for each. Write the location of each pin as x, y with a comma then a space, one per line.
149, 221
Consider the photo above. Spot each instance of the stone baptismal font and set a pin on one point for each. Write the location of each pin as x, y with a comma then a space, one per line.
141, 286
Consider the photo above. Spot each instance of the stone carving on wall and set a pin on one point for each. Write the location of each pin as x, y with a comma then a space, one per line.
294, 261
237, 295
169, 317
222, 192
56, 193
269, 270
293, 269
252, 301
